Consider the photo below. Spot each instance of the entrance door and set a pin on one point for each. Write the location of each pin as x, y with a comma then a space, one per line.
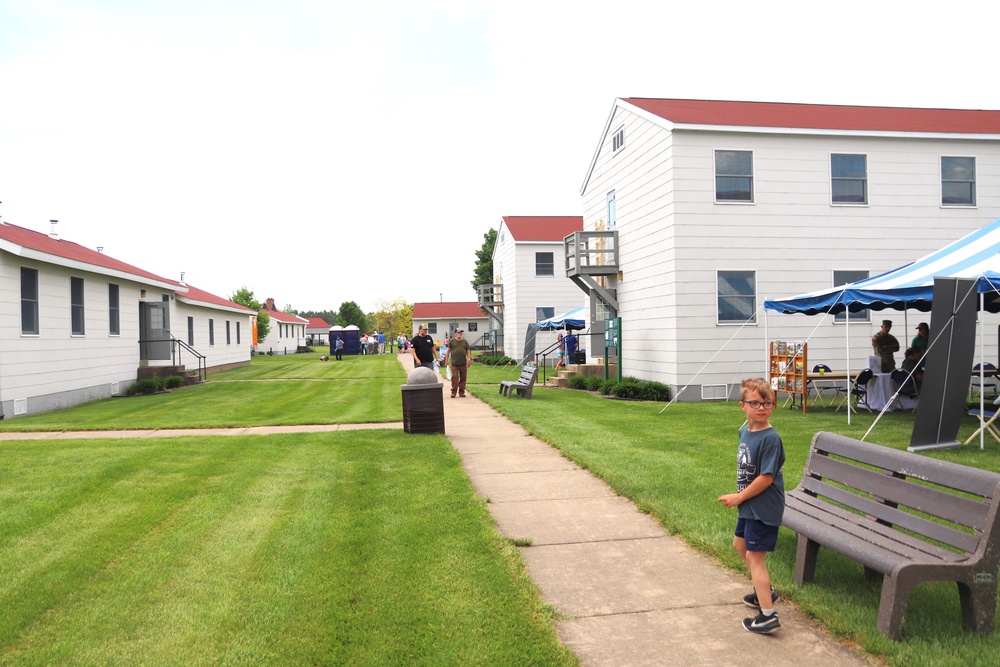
154, 330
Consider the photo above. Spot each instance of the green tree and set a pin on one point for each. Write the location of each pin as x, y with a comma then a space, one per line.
245, 297
483, 273
350, 313
393, 317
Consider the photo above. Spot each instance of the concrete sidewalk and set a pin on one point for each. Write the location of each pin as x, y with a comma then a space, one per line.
631, 593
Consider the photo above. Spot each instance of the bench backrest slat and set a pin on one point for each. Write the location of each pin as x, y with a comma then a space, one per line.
982, 483
527, 375
938, 502
966, 542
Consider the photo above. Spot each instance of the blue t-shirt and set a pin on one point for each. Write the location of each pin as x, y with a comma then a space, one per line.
761, 453
570, 343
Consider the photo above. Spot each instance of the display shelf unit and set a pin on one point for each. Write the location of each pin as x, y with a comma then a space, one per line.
789, 371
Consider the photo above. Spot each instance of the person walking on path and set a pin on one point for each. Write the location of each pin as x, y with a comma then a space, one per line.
460, 354
423, 348
760, 498
339, 348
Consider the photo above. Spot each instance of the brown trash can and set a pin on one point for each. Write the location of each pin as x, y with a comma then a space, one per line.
423, 402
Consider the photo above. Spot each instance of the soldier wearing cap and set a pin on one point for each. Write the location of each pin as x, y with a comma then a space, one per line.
423, 348
885, 345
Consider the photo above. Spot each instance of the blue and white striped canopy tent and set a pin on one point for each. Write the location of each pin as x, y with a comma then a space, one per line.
571, 319
975, 256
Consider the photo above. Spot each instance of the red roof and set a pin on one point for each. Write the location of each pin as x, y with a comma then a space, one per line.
44, 243
821, 116
287, 318
444, 310
542, 227
195, 294
317, 323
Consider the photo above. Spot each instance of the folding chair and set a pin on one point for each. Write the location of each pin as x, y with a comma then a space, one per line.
818, 388
990, 387
988, 425
859, 391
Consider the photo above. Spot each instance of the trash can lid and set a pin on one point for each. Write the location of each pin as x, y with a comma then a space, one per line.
421, 375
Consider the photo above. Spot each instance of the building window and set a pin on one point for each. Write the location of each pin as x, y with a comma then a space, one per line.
737, 297
734, 176
611, 210
544, 264
618, 139
114, 310
432, 328
211, 332
844, 278
228, 341
544, 313
473, 326
76, 306
849, 178
958, 181
191, 331
29, 301
237, 333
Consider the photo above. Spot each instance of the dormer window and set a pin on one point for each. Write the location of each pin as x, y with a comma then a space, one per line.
618, 139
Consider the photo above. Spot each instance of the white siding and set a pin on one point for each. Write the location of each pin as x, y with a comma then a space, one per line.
523, 291
55, 361
674, 238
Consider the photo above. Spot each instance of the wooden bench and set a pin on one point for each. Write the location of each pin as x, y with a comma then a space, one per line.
522, 385
905, 516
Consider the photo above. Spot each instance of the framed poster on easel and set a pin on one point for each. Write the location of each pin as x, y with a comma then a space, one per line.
789, 371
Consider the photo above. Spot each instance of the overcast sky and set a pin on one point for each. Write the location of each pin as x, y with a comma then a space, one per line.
319, 151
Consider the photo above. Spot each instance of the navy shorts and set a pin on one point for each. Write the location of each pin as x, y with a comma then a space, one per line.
758, 535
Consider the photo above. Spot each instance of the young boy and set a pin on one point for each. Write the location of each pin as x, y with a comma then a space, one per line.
760, 498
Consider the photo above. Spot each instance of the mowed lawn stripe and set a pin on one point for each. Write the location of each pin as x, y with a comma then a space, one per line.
334, 548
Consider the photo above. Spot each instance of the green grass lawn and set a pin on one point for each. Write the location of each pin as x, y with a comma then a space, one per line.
272, 391
676, 464
370, 547
360, 547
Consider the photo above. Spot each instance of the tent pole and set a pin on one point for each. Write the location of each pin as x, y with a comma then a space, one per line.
767, 350
982, 372
847, 333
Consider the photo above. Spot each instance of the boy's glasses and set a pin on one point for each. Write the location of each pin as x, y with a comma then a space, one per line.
756, 405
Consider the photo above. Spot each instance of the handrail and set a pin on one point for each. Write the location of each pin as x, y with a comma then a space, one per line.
202, 364
175, 357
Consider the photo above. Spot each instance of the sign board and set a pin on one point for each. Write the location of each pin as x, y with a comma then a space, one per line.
612, 341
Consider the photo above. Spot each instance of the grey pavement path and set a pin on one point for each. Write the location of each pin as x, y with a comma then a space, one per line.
629, 593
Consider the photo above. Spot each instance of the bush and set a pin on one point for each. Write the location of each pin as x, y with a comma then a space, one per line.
173, 382
629, 387
491, 360
636, 389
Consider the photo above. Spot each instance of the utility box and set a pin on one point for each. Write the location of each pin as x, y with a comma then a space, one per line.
423, 402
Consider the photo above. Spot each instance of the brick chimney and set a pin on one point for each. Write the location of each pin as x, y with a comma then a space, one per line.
269, 303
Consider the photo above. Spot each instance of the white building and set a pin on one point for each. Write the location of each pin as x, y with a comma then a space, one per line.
704, 208
287, 334
528, 267
78, 325
444, 318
